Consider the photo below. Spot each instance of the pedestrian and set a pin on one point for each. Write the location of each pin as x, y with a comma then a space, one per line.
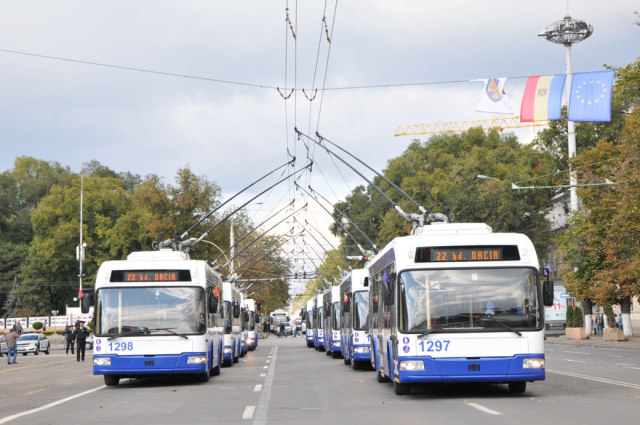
17, 327
281, 330
69, 336
294, 327
11, 339
619, 320
265, 327
81, 339
77, 324
599, 323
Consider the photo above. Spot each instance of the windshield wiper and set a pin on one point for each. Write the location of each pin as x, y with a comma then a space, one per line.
436, 328
505, 325
182, 336
136, 332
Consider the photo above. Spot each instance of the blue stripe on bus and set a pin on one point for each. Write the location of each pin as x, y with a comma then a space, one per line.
149, 365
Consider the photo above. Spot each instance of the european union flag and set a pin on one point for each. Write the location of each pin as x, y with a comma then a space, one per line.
590, 98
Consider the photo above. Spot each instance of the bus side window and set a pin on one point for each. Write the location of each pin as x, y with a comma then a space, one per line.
374, 302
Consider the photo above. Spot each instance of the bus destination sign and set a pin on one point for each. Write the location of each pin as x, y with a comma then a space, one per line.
466, 253
150, 276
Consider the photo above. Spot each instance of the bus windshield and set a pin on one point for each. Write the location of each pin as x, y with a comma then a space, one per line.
335, 316
150, 311
361, 311
469, 300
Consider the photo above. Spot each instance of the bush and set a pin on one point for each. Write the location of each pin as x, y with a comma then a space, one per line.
47, 332
37, 326
578, 318
570, 314
90, 326
610, 316
60, 332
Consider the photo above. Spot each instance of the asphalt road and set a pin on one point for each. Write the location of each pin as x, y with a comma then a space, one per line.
285, 382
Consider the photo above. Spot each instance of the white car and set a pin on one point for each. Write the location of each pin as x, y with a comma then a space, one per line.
4, 348
33, 343
88, 345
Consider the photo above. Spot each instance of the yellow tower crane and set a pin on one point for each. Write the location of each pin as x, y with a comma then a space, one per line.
460, 126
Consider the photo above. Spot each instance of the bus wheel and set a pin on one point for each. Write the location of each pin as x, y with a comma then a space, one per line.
336, 354
236, 359
215, 371
346, 360
517, 387
202, 377
227, 363
401, 389
381, 378
328, 352
111, 380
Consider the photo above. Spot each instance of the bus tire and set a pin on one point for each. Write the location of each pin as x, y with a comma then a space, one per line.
401, 389
111, 380
336, 354
215, 371
346, 360
328, 352
202, 377
316, 347
236, 359
381, 378
227, 363
517, 387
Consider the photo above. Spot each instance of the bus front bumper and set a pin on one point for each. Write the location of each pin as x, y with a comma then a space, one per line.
523, 367
361, 352
111, 364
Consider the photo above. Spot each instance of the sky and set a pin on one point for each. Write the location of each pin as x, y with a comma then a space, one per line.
233, 133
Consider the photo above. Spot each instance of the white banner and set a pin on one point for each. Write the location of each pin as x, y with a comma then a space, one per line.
43, 320
60, 321
86, 318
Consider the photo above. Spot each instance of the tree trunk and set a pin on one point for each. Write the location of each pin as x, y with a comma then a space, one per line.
586, 303
625, 309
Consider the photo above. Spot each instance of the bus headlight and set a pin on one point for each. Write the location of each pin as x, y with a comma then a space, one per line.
336, 344
227, 350
250, 340
196, 359
533, 363
320, 339
361, 350
102, 361
411, 365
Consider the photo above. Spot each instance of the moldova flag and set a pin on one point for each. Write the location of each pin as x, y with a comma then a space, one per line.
542, 100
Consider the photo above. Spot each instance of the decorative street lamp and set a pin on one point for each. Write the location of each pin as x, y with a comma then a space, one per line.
54, 313
569, 31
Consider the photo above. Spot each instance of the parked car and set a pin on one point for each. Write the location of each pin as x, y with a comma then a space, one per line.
33, 343
88, 345
287, 328
4, 348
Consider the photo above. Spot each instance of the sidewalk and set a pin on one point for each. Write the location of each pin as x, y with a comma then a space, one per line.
596, 341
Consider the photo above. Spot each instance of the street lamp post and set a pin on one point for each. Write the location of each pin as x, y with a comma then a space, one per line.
54, 313
569, 31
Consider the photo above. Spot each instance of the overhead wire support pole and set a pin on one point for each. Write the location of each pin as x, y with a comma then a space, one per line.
375, 247
250, 232
267, 231
184, 235
362, 250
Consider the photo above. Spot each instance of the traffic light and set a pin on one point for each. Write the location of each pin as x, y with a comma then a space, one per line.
258, 305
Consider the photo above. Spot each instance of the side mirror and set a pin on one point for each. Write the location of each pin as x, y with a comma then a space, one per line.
547, 289
366, 281
236, 311
246, 316
86, 303
213, 303
346, 303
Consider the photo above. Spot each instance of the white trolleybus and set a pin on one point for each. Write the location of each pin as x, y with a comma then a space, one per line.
307, 316
354, 295
276, 318
232, 324
318, 319
156, 313
458, 303
331, 324
251, 325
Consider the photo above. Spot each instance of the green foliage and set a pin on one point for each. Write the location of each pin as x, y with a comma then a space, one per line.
47, 332
578, 318
570, 317
90, 326
610, 317
37, 326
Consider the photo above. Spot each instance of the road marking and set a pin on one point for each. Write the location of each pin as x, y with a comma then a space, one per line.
632, 367
269, 357
266, 367
577, 352
262, 375
248, 412
263, 406
268, 361
611, 355
55, 403
484, 409
593, 378
35, 365
71, 382
257, 388
36, 391
623, 364
575, 361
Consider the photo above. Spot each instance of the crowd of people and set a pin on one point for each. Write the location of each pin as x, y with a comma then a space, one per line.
598, 323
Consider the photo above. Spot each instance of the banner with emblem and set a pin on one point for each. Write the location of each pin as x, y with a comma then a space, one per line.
542, 99
493, 97
590, 98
